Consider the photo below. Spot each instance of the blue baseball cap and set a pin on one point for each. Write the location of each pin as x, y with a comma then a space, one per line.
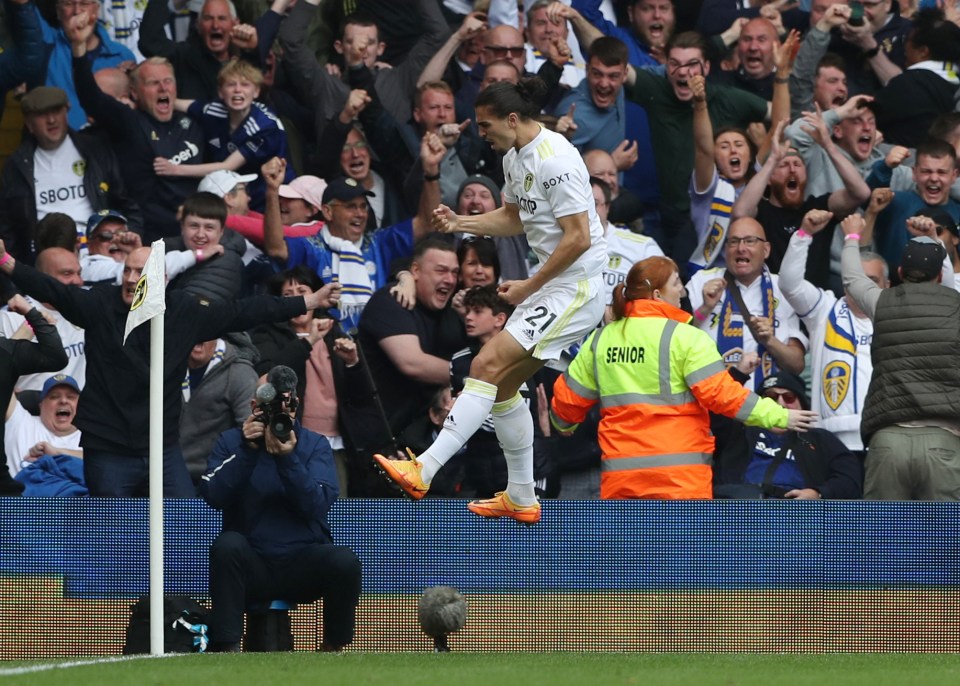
97, 218
58, 380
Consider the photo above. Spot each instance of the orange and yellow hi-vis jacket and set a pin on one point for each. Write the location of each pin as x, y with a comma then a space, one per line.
655, 377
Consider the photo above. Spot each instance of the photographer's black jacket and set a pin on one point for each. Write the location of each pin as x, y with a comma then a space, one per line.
114, 408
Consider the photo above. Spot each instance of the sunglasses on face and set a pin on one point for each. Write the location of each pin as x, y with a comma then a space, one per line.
501, 50
788, 396
107, 236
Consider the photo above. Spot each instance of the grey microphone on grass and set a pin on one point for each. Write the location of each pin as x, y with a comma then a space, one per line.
441, 611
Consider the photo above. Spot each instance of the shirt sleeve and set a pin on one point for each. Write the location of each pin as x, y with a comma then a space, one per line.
302, 251
566, 186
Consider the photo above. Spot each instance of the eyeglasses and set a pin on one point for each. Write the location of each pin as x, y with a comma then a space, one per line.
514, 51
788, 396
107, 236
749, 241
359, 145
674, 66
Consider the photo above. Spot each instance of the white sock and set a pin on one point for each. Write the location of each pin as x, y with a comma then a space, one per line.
469, 411
514, 425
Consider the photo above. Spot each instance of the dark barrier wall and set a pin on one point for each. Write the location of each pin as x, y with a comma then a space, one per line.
721, 576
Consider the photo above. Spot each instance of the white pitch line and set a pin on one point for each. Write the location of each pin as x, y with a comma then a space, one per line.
13, 671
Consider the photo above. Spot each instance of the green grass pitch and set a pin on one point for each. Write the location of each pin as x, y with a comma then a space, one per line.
494, 669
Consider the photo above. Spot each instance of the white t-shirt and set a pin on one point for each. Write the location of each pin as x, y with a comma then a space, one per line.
624, 249
58, 181
73, 344
23, 431
547, 179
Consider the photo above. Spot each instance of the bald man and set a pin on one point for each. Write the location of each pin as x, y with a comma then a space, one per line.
114, 404
755, 52
769, 327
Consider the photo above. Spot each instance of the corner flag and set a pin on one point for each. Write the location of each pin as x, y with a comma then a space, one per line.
148, 300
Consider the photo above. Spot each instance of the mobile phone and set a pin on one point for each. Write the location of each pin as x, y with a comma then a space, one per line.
856, 14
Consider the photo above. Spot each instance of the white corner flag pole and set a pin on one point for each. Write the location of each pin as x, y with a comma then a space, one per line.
149, 305
156, 484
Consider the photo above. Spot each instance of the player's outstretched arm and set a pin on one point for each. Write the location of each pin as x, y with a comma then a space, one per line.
503, 221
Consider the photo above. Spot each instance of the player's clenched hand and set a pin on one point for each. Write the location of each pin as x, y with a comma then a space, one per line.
445, 220
514, 292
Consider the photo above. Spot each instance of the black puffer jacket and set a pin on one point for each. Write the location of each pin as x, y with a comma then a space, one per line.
916, 335
218, 278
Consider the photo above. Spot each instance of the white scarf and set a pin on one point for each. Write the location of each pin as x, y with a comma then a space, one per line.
356, 282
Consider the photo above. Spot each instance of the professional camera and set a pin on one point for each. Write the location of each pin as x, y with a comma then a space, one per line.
276, 399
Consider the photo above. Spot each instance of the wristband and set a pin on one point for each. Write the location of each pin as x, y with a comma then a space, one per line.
4, 259
855, 236
431, 177
199, 255
802, 233
781, 79
700, 317
873, 52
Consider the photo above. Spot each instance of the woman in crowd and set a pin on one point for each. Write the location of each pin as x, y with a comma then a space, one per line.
665, 375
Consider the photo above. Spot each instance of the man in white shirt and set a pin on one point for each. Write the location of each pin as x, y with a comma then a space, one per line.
28, 438
840, 335
56, 169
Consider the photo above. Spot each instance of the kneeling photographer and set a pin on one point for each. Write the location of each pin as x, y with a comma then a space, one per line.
275, 482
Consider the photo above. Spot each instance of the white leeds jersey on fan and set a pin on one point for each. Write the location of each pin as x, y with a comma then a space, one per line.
547, 179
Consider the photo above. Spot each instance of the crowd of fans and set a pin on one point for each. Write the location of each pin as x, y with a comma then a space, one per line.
279, 149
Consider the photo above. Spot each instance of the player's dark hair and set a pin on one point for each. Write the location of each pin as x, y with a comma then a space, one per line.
524, 98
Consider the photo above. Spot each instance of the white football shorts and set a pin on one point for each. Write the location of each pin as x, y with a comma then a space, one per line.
557, 316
